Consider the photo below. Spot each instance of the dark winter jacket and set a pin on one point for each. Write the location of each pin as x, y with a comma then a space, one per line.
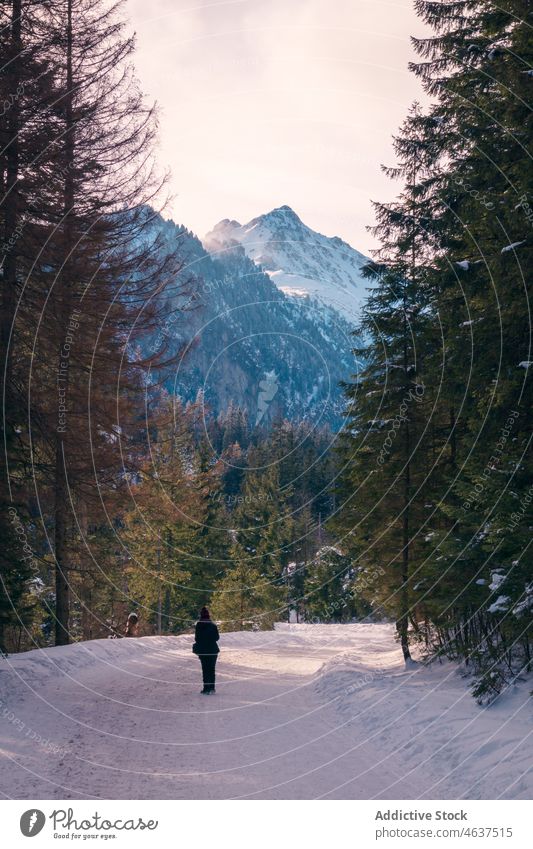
205, 638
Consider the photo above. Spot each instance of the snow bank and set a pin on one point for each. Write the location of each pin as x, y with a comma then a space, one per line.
34, 670
428, 717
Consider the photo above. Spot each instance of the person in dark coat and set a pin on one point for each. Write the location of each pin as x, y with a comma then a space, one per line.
206, 638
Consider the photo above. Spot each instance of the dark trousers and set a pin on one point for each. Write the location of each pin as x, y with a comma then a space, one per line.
208, 662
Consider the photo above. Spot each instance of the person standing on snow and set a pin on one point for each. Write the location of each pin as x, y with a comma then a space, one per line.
206, 638
132, 626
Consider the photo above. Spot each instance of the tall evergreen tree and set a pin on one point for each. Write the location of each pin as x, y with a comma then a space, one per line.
27, 92
384, 471
459, 236
101, 269
484, 246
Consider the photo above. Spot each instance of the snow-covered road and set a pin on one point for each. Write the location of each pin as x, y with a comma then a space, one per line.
301, 712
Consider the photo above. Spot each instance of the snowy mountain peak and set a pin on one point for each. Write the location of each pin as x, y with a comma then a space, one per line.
303, 263
222, 233
283, 215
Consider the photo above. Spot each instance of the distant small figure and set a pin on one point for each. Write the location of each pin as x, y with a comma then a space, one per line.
132, 626
206, 639
114, 630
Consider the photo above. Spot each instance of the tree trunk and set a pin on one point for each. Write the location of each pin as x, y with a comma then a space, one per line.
61, 554
9, 259
402, 624
64, 300
11, 206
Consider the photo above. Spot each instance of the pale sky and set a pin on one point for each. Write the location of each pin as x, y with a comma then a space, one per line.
272, 102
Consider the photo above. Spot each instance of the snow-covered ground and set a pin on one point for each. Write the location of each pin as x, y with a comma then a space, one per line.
305, 711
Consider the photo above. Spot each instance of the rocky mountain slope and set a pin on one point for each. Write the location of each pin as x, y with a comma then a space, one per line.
268, 318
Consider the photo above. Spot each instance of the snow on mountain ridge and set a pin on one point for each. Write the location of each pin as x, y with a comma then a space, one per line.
300, 261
